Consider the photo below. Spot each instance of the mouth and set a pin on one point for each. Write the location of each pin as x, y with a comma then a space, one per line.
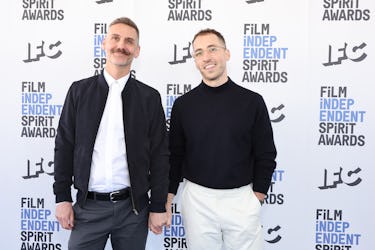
209, 66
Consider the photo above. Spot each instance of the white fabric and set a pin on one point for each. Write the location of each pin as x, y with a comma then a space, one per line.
221, 219
109, 168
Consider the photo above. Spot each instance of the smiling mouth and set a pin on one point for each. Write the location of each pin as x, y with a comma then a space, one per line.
209, 66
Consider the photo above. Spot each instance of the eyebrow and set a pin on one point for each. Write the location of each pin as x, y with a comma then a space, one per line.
209, 46
127, 38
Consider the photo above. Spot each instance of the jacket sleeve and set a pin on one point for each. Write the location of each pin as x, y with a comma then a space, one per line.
264, 150
64, 150
159, 165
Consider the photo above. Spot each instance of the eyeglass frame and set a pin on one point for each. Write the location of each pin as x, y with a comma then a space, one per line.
211, 49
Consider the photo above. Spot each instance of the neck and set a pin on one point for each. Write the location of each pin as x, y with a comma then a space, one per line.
217, 82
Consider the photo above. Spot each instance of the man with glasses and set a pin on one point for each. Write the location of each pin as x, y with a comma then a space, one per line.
222, 146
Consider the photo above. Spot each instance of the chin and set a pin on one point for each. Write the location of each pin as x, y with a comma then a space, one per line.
211, 78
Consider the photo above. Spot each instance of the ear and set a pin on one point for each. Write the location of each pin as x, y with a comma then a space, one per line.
227, 54
137, 51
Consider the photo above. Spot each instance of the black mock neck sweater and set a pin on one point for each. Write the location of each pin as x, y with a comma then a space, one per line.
221, 137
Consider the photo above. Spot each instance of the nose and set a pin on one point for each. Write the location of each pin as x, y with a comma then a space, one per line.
121, 45
206, 56
206, 59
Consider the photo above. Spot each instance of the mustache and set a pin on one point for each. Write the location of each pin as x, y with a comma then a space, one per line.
123, 51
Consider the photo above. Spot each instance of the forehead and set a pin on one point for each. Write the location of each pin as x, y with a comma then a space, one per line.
203, 41
122, 30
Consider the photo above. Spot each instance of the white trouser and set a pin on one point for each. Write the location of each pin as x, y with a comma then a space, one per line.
216, 219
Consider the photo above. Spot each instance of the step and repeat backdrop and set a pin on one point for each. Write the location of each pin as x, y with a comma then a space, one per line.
311, 60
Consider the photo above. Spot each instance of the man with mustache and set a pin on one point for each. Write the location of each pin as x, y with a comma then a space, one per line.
221, 144
111, 145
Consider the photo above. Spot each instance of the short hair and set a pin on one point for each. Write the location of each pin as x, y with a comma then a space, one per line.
210, 31
126, 21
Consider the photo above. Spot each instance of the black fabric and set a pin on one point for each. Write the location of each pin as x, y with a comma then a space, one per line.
145, 136
112, 196
97, 221
221, 137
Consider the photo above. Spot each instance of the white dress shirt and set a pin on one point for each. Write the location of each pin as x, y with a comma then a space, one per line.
109, 166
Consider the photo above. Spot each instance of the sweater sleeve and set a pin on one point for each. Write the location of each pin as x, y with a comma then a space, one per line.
264, 150
176, 147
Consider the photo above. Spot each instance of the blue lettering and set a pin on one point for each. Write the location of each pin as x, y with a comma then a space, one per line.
336, 103
259, 41
337, 238
174, 231
171, 99
42, 98
332, 226
168, 112
35, 214
36, 109
98, 52
176, 219
341, 116
264, 53
277, 175
36, 225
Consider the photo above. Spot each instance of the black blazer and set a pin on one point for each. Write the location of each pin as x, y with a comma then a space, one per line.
145, 136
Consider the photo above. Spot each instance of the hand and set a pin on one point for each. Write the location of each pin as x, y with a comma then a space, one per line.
156, 221
168, 208
65, 215
260, 196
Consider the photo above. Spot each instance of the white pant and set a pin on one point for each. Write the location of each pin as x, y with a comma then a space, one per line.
216, 219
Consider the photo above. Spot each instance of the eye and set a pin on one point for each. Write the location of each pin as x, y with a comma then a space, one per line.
198, 53
115, 38
212, 49
130, 41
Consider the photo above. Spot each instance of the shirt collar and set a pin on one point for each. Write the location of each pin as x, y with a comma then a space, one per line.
109, 79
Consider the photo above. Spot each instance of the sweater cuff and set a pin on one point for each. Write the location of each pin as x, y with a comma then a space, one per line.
173, 187
157, 207
261, 187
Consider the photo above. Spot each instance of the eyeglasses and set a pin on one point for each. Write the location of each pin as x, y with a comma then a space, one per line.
212, 50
